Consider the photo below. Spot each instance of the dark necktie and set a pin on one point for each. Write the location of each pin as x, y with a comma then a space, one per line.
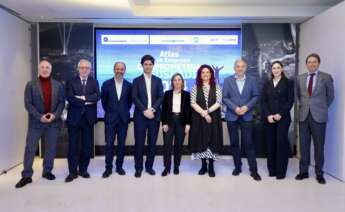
310, 84
84, 87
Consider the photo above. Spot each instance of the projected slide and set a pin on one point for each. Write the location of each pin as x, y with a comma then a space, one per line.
175, 50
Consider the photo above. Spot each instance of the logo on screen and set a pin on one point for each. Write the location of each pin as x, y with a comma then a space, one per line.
105, 39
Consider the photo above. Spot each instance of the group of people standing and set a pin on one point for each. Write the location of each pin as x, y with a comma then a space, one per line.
179, 113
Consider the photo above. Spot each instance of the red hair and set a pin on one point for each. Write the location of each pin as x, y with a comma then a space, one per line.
199, 81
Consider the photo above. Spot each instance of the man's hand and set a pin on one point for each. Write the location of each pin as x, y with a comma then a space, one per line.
44, 119
270, 119
165, 128
149, 114
244, 109
51, 117
277, 117
238, 111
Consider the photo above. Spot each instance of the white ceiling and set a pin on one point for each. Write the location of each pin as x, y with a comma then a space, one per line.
169, 12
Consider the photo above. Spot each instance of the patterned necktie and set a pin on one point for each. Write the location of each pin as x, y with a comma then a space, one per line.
84, 86
310, 84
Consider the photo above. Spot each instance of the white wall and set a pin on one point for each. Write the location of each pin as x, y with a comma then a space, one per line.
15, 71
325, 35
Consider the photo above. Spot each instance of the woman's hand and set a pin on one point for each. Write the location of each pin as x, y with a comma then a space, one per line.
208, 118
165, 128
186, 129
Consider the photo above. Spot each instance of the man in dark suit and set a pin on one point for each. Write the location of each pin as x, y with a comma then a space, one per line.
315, 94
82, 95
116, 96
147, 95
240, 94
44, 101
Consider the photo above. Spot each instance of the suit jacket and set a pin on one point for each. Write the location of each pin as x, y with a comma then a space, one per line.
34, 103
321, 98
232, 97
167, 107
139, 96
78, 107
116, 110
279, 99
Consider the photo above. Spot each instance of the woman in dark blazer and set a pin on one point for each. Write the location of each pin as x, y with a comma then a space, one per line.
175, 119
278, 98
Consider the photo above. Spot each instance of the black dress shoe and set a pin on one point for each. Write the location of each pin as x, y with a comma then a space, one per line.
70, 178
176, 171
120, 171
137, 174
236, 172
165, 172
203, 169
151, 171
302, 176
280, 177
211, 173
23, 182
107, 173
255, 176
320, 179
85, 175
48, 176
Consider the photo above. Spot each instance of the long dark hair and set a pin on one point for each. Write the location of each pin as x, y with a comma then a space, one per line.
199, 81
281, 65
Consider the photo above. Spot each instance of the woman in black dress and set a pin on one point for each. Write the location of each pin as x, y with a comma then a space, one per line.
175, 121
278, 98
206, 136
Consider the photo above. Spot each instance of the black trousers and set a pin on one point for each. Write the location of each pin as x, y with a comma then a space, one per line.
173, 139
75, 160
118, 130
246, 140
310, 128
278, 148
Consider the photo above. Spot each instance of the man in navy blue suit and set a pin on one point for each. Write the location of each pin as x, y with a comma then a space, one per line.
147, 95
240, 94
116, 96
82, 94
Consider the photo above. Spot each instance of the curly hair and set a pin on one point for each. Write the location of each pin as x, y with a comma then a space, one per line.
199, 81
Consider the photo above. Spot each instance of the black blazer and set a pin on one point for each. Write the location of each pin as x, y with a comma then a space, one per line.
278, 99
167, 107
76, 107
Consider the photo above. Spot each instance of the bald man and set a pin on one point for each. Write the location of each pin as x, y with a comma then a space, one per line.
44, 100
82, 94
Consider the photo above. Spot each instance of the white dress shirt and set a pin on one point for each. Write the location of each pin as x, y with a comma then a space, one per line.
240, 83
148, 79
118, 86
176, 103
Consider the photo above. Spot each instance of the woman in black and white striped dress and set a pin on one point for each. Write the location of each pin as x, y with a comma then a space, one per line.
206, 128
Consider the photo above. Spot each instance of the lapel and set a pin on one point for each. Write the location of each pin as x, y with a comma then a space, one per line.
54, 94
182, 101
234, 85
40, 89
317, 83
245, 86
144, 85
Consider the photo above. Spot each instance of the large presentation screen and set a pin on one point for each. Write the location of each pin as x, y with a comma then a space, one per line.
175, 50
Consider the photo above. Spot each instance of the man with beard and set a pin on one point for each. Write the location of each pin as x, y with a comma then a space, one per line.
116, 97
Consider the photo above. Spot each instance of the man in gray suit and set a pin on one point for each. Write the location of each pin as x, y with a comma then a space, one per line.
44, 100
240, 94
315, 94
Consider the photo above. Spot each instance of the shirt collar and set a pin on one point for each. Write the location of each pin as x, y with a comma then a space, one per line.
316, 73
244, 77
116, 81
146, 76
81, 79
